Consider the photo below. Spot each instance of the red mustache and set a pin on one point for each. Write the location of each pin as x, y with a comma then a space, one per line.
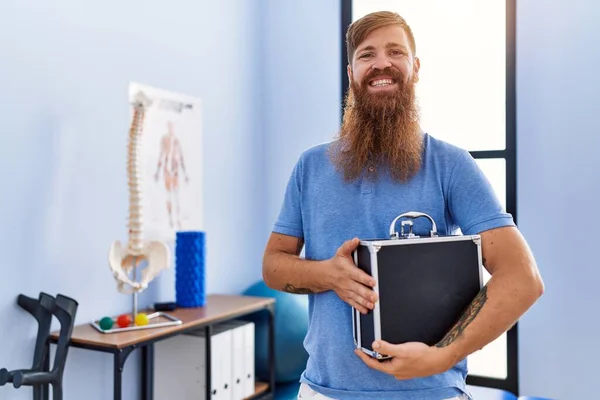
388, 71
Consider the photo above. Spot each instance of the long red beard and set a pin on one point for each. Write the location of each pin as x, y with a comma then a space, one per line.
380, 130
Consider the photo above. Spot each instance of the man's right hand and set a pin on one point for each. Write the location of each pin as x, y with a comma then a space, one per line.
349, 282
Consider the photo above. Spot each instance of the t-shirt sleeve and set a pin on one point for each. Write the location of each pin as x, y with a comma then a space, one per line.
472, 202
289, 221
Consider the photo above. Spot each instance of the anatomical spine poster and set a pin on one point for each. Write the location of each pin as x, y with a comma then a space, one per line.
170, 160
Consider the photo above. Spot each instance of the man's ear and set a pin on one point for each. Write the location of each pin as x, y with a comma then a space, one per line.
349, 69
416, 68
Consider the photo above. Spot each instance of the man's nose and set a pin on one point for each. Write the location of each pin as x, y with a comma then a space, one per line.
381, 62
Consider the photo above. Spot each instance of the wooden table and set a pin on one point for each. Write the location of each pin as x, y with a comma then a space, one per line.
218, 308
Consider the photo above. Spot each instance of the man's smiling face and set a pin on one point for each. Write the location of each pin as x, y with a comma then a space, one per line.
384, 62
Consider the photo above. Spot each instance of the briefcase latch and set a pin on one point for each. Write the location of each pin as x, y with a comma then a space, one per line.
408, 234
406, 228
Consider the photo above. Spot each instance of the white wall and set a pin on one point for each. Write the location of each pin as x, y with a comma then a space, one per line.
558, 190
65, 67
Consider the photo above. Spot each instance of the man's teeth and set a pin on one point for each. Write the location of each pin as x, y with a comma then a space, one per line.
382, 82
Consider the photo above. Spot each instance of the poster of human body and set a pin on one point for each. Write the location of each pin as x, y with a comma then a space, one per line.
170, 162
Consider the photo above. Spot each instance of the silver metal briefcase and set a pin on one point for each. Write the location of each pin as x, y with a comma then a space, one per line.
424, 284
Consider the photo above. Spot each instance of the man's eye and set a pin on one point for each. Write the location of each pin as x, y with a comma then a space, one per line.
396, 52
366, 55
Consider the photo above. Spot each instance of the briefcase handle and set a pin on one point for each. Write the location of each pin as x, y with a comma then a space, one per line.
410, 215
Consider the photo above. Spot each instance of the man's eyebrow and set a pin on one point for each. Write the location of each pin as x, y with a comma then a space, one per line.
387, 46
368, 48
392, 45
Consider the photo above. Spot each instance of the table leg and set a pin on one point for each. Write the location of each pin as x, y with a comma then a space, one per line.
117, 379
148, 372
119, 362
272, 348
207, 342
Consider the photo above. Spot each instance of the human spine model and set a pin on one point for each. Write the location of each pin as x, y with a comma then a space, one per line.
135, 245
123, 259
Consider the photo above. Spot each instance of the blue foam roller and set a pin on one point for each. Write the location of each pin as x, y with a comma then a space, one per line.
190, 269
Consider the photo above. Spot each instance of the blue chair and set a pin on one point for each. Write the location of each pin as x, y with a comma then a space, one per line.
287, 391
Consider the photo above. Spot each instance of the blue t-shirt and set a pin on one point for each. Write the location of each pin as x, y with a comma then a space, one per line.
326, 211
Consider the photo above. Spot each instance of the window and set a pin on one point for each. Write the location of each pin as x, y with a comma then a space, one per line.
467, 97
461, 45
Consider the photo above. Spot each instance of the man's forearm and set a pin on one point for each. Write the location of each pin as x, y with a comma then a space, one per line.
290, 273
494, 310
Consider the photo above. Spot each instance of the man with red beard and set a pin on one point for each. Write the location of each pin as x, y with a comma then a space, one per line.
382, 165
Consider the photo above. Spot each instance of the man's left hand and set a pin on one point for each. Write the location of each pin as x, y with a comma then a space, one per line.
409, 360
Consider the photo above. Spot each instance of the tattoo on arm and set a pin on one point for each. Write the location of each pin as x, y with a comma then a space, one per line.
293, 289
467, 317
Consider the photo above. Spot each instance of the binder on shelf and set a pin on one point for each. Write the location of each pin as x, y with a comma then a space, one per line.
243, 358
249, 357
